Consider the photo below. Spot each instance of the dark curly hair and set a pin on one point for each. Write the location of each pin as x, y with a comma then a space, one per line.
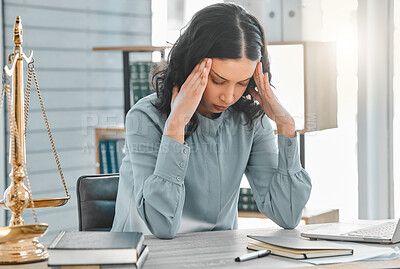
217, 31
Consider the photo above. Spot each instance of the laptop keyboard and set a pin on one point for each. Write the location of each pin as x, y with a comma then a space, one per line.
384, 230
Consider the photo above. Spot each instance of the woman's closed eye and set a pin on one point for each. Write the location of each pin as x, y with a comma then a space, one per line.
242, 84
216, 82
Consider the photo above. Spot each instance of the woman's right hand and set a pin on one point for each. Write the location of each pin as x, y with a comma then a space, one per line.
185, 101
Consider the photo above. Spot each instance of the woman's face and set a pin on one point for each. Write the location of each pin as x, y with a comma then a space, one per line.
227, 81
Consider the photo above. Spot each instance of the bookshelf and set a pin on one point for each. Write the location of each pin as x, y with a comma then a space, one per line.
126, 70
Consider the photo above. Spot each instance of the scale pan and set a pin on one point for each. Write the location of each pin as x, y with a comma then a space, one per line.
49, 202
41, 203
22, 232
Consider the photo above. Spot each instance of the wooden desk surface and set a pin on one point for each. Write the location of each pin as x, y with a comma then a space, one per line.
218, 250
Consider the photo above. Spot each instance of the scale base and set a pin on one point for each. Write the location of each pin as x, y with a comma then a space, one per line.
20, 244
23, 251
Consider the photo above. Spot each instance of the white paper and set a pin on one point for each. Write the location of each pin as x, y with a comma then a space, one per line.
362, 252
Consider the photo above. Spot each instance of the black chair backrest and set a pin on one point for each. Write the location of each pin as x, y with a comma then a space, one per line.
96, 201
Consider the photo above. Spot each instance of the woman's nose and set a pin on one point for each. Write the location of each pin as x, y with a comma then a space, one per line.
227, 96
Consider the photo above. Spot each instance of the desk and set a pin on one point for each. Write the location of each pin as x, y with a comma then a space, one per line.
218, 250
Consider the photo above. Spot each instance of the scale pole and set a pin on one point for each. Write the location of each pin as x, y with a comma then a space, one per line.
17, 195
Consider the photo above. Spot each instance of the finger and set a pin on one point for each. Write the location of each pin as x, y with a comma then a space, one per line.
198, 84
268, 90
197, 68
196, 74
174, 94
207, 67
259, 77
265, 89
192, 75
206, 72
256, 96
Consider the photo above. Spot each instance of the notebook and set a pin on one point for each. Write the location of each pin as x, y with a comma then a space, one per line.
296, 248
386, 233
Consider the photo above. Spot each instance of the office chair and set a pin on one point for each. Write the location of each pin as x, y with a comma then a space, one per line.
96, 201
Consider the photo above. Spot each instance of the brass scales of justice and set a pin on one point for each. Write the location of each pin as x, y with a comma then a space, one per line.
19, 242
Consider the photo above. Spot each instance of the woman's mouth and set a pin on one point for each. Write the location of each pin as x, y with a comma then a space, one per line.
221, 108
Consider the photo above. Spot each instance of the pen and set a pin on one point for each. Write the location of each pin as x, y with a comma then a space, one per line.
254, 255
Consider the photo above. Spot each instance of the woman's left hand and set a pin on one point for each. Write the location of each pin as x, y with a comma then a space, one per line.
274, 110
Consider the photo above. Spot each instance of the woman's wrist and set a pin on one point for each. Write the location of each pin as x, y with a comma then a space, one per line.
287, 129
175, 130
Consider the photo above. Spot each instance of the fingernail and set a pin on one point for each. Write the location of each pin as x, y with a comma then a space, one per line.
208, 61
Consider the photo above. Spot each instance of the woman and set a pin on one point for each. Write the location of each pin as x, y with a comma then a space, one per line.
188, 146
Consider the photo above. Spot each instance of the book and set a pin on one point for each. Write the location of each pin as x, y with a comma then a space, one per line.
95, 248
135, 83
247, 207
112, 154
144, 79
104, 165
245, 191
296, 248
247, 199
139, 264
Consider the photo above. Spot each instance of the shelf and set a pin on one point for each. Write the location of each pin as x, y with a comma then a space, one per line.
133, 49
310, 215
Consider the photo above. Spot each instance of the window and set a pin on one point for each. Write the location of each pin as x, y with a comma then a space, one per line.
331, 155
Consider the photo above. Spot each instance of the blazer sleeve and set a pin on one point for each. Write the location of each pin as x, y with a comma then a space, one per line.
281, 187
158, 171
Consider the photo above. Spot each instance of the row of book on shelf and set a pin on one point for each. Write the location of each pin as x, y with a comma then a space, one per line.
140, 79
246, 200
111, 153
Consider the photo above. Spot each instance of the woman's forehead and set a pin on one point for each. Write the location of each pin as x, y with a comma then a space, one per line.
234, 69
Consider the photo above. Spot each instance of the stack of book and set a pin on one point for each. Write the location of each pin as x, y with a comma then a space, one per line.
246, 200
97, 250
111, 154
140, 80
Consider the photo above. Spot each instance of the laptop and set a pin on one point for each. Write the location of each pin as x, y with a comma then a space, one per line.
384, 233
